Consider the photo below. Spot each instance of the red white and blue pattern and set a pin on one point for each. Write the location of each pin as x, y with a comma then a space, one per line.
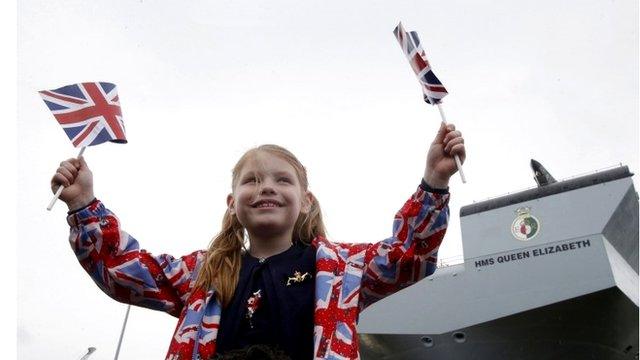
432, 88
349, 277
88, 112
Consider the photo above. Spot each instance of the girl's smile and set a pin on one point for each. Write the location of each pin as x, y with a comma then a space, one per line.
266, 204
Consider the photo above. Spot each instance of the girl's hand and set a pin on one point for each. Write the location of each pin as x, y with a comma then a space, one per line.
77, 179
440, 162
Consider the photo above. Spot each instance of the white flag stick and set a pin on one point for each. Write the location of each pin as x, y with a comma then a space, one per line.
458, 163
59, 191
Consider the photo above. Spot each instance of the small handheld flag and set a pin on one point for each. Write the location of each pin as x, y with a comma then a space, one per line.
432, 89
89, 114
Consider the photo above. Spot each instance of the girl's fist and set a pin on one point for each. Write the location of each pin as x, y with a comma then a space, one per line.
77, 179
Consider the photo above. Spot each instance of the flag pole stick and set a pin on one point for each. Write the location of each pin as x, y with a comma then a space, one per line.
458, 163
59, 191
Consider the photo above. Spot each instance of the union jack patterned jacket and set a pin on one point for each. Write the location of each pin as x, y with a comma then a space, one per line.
349, 277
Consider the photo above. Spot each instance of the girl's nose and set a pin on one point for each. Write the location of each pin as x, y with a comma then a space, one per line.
266, 187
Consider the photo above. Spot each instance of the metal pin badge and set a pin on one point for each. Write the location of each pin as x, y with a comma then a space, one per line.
298, 277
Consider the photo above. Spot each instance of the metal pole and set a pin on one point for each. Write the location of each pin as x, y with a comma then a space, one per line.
124, 325
89, 352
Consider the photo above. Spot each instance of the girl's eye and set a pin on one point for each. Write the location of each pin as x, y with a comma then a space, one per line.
285, 180
250, 180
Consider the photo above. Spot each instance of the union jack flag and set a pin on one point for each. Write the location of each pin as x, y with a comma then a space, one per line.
88, 112
432, 88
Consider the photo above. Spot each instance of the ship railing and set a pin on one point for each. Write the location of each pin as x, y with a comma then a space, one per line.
449, 261
560, 180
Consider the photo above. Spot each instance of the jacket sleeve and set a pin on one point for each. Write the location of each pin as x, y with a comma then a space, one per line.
411, 253
122, 270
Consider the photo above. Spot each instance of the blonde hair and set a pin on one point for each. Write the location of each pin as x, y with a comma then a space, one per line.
221, 265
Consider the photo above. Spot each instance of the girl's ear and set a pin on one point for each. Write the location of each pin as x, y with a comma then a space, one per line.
231, 202
307, 202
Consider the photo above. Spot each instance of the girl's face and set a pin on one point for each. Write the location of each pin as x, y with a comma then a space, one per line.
268, 197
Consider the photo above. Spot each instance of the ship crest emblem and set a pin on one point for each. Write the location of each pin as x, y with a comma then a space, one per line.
526, 226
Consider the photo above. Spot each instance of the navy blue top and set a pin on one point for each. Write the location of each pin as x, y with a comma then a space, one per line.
284, 315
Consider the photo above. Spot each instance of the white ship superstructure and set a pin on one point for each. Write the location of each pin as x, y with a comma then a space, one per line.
548, 273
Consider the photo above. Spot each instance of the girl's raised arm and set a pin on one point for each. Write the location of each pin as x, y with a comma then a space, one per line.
418, 228
112, 257
411, 253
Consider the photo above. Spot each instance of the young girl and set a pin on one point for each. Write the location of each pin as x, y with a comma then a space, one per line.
292, 290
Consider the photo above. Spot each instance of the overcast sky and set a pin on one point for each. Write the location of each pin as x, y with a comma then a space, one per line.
200, 82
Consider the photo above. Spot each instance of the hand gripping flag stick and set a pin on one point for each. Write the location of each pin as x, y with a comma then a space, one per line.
432, 89
89, 114
455, 157
59, 191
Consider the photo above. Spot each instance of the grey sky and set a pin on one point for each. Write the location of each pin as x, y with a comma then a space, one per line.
201, 82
